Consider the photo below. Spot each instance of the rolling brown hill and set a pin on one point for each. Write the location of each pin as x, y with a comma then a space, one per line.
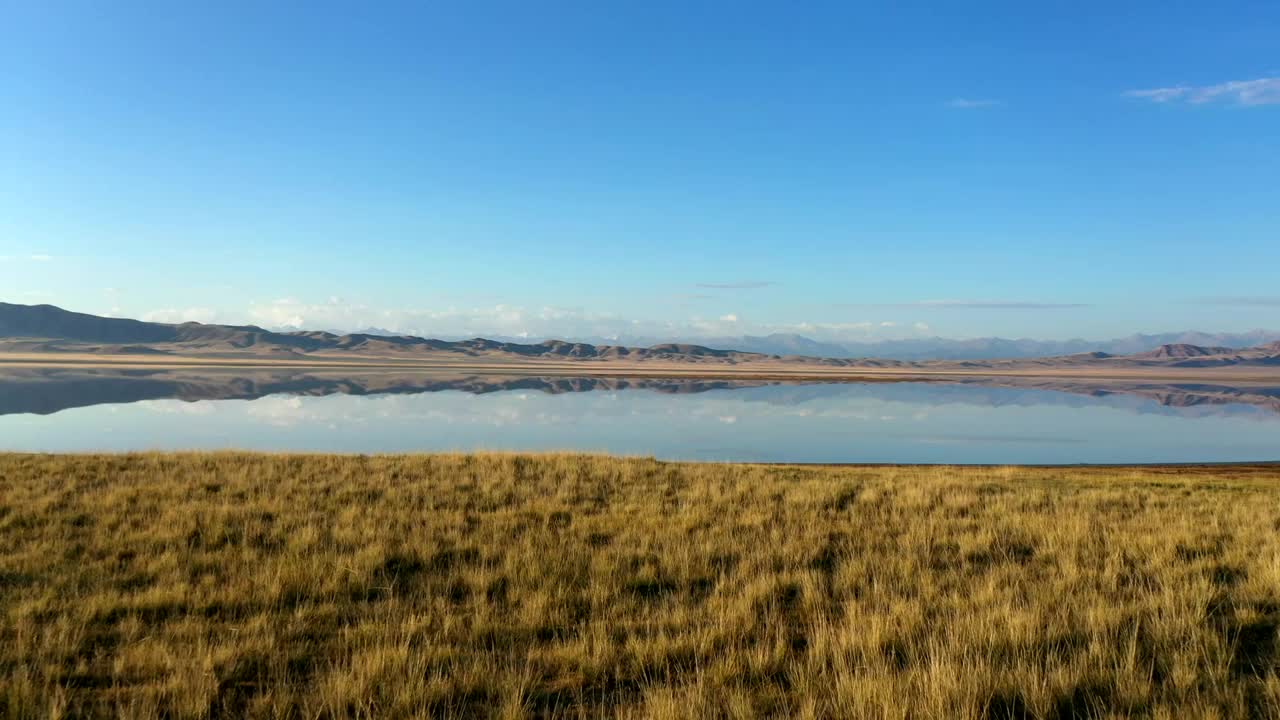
1181, 351
48, 329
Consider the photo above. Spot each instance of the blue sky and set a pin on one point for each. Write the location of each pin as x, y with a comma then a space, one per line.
848, 171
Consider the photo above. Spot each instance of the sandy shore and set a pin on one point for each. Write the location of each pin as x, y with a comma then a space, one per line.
647, 369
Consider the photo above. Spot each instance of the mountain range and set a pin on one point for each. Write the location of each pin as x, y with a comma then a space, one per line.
46, 328
49, 329
940, 348
930, 348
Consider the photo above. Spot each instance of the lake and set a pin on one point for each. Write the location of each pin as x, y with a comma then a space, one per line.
976, 421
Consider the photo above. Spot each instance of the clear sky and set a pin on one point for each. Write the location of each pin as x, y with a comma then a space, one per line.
844, 170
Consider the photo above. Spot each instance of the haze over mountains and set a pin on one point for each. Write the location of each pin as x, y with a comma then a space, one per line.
45, 328
940, 348
993, 348
930, 348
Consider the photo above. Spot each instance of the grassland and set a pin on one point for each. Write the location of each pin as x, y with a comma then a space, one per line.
230, 585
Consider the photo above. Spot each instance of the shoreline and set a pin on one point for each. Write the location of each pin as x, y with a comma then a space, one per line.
654, 370
1186, 468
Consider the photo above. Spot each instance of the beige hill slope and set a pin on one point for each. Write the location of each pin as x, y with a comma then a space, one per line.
48, 331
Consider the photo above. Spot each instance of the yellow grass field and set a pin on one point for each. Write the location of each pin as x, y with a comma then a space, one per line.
312, 586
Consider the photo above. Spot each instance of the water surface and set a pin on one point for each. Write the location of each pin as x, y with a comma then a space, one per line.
971, 422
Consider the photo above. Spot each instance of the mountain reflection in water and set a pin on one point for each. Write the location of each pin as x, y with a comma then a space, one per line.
50, 390
961, 420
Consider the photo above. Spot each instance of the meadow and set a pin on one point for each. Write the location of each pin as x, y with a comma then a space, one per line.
219, 585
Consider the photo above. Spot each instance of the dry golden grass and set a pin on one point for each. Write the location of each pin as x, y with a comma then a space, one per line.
232, 585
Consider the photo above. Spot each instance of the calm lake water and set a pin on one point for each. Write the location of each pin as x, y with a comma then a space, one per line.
973, 422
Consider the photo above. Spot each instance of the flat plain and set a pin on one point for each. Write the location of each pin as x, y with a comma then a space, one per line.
500, 364
492, 585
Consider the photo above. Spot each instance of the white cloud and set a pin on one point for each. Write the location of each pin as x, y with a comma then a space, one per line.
113, 297
200, 315
741, 285
40, 257
178, 407
1160, 95
534, 324
294, 313
838, 327
971, 103
501, 319
921, 327
1260, 91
